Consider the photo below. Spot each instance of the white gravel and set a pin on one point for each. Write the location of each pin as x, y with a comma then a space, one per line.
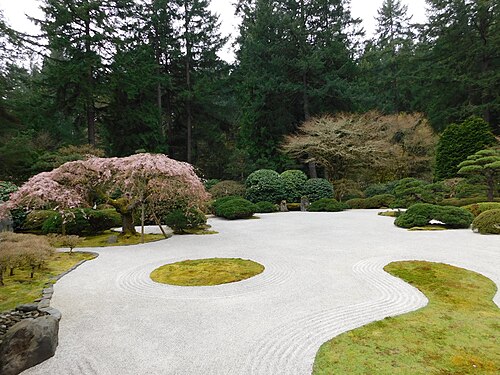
323, 277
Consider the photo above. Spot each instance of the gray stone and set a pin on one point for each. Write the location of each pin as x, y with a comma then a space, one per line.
44, 303
283, 207
28, 343
304, 203
112, 239
27, 307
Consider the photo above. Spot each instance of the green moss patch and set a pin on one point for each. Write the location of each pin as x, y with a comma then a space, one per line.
20, 288
110, 238
456, 333
203, 272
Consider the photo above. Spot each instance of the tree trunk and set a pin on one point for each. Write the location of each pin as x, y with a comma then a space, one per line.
313, 173
128, 228
142, 222
11, 273
2, 270
32, 272
189, 120
89, 100
491, 187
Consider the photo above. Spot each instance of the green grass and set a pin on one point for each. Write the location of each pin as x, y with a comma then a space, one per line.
201, 272
20, 289
456, 333
101, 240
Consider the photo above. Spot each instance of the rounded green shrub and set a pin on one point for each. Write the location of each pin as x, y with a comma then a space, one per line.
318, 188
293, 185
421, 214
76, 222
477, 209
487, 222
35, 219
264, 207
101, 220
236, 208
223, 200
181, 219
265, 185
377, 201
227, 188
327, 205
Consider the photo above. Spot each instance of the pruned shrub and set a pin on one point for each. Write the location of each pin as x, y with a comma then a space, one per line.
101, 220
421, 214
478, 208
377, 201
380, 189
265, 207
221, 201
35, 219
181, 219
293, 185
265, 185
487, 222
227, 188
409, 191
460, 202
327, 205
235, 208
318, 188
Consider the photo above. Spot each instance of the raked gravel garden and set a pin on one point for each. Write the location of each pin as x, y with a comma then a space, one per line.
323, 275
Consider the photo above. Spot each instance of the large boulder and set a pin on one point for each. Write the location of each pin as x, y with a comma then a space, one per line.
28, 343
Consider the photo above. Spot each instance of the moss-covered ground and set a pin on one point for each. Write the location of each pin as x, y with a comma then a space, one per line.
20, 289
201, 272
110, 238
458, 332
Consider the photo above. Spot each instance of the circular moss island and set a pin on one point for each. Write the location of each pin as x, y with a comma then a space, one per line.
206, 272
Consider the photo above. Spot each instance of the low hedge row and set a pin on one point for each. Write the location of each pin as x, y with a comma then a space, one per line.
327, 205
377, 201
478, 208
421, 214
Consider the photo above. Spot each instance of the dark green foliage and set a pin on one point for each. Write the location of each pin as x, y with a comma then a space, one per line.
486, 164
182, 219
318, 188
380, 188
265, 207
210, 183
265, 185
6, 188
293, 181
219, 202
235, 208
18, 219
78, 221
377, 201
478, 208
327, 205
487, 223
35, 219
409, 191
457, 142
421, 214
227, 188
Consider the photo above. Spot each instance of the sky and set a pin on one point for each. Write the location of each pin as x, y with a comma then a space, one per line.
15, 10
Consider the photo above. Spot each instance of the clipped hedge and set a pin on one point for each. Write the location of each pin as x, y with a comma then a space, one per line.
235, 208
318, 188
227, 188
487, 222
180, 220
477, 209
293, 185
421, 214
460, 202
78, 221
327, 205
377, 201
264, 207
265, 185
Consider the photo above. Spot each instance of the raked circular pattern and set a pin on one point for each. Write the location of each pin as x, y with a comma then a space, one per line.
323, 276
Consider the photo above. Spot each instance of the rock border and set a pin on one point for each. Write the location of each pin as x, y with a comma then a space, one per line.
35, 336
48, 291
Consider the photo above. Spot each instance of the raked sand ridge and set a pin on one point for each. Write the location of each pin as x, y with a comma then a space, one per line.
324, 275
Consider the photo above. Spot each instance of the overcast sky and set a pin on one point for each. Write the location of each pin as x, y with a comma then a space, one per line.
15, 10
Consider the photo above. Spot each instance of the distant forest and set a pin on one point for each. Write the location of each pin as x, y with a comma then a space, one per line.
125, 76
